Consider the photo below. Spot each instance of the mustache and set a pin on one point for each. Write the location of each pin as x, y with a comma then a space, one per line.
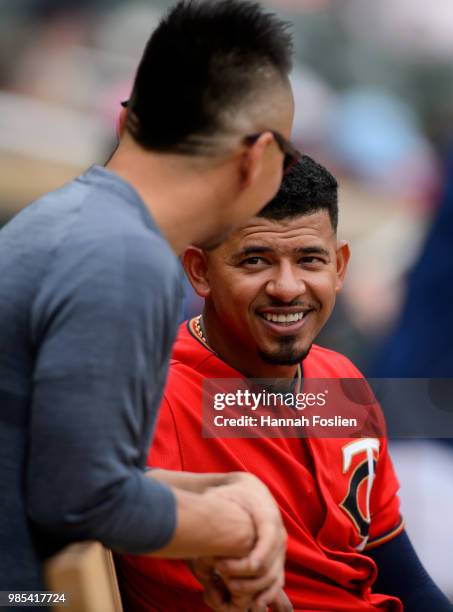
279, 304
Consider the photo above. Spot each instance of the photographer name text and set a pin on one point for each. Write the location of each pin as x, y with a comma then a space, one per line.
314, 420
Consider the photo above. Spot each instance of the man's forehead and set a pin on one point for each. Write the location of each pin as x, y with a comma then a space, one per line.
260, 229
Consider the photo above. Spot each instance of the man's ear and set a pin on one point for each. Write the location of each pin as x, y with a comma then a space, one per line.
196, 266
343, 255
121, 122
252, 160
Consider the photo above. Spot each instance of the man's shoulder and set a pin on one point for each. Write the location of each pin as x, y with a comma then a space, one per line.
95, 215
322, 362
189, 362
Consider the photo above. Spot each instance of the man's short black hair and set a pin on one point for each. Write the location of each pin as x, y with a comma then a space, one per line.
307, 188
206, 58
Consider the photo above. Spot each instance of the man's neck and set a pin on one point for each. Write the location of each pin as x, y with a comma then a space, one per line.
178, 196
227, 348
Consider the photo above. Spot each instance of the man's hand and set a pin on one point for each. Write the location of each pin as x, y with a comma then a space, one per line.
281, 603
209, 524
237, 521
218, 598
260, 574
215, 593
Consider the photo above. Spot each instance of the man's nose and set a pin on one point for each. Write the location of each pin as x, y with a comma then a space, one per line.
286, 283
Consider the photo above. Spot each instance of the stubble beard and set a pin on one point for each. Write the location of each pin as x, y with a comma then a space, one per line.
286, 354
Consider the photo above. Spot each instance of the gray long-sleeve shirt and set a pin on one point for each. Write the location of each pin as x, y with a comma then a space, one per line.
89, 302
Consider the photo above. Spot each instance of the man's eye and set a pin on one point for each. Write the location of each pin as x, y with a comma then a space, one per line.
253, 261
311, 260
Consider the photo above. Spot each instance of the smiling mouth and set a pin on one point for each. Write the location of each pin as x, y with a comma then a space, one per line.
283, 319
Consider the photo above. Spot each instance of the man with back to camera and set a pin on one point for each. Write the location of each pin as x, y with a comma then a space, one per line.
89, 296
269, 289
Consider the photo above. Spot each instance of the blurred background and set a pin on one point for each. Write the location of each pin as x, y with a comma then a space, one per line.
374, 97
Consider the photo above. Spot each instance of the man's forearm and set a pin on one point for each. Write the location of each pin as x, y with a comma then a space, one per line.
208, 525
401, 573
191, 481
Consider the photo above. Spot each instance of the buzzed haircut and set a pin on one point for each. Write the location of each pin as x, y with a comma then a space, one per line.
202, 64
307, 188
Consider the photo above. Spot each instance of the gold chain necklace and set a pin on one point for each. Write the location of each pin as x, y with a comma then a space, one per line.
199, 330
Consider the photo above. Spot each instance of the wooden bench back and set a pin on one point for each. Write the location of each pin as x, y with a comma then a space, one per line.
85, 572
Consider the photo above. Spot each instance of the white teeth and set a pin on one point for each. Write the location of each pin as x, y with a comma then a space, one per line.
281, 318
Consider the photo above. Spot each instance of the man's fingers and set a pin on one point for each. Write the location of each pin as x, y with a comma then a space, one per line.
272, 538
217, 597
237, 567
251, 586
259, 577
215, 594
271, 544
243, 602
281, 603
269, 595
255, 497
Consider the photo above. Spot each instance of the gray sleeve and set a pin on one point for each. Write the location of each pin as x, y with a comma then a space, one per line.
102, 326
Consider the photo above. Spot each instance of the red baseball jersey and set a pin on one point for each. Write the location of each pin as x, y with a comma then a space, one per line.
336, 495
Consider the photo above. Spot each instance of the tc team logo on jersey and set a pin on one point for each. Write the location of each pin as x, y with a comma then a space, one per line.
356, 504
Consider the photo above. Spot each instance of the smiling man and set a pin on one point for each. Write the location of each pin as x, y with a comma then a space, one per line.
268, 291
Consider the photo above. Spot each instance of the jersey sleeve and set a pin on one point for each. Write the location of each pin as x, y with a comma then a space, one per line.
101, 333
386, 520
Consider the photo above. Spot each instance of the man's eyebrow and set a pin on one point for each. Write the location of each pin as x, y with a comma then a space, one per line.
313, 250
248, 250
306, 250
